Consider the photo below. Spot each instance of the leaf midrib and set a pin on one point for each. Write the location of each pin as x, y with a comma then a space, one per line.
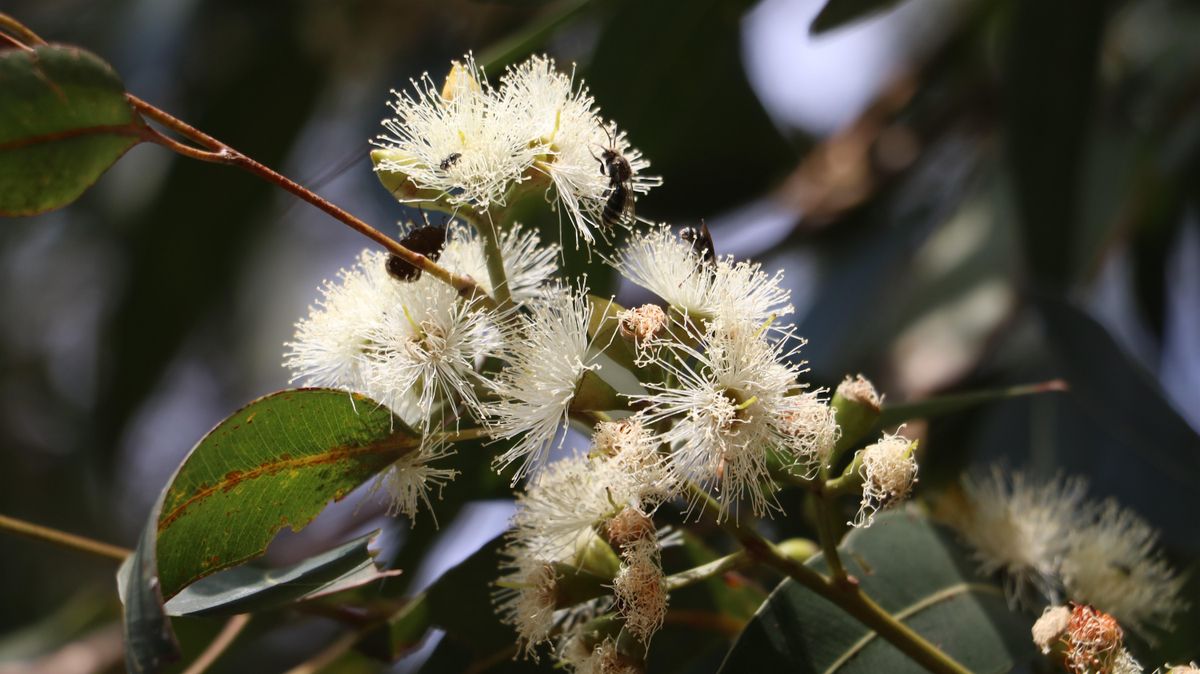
394, 442
945, 594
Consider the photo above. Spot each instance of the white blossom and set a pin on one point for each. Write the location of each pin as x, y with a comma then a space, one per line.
408, 345
664, 264
546, 356
889, 469
562, 121
640, 588
451, 140
410, 479
554, 524
331, 345
528, 263
730, 403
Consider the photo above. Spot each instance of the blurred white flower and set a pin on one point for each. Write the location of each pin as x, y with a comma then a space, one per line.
1112, 562
664, 264
1019, 528
730, 403
603, 658
450, 139
546, 357
889, 470
561, 120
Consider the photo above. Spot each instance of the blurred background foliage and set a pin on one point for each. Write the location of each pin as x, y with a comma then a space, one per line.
962, 194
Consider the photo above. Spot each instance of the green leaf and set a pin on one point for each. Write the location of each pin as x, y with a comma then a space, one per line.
245, 589
837, 13
63, 121
680, 92
915, 571
149, 641
939, 406
460, 602
276, 462
1053, 55
1121, 397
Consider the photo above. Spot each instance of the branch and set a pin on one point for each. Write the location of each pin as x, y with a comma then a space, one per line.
66, 540
218, 152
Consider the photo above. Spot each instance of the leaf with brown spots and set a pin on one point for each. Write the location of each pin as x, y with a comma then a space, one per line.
64, 120
276, 462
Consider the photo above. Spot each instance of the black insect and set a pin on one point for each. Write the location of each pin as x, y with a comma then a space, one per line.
701, 240
450, 161
427, 240
618, 200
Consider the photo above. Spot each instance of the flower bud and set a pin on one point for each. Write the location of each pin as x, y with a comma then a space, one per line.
1051, 627
642, 324
460, 79
1094, 640
629, 527
858, 408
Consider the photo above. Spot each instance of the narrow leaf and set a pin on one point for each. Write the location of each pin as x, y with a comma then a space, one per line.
931, 408
63, 121
244, 589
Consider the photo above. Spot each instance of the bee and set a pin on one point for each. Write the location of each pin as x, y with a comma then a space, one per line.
702, 243
618, 200
450, 161
428, 240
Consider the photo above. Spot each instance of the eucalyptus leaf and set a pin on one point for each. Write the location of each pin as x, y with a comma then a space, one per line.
64, 120
939, 406
244, 589
916, 572
276, 462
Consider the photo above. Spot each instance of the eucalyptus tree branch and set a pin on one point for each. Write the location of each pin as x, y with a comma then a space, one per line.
217, 152
846, 595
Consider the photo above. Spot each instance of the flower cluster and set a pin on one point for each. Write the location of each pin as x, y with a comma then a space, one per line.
696, 398
467, 144
584, 524
414, 346
1048, 539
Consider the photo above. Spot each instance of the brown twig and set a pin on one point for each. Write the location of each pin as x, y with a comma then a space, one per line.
63, 538
217, 152
225, 638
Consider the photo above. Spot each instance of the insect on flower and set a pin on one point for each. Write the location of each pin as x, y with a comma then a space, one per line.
618, 204
701, 241
450, 161
427, 240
